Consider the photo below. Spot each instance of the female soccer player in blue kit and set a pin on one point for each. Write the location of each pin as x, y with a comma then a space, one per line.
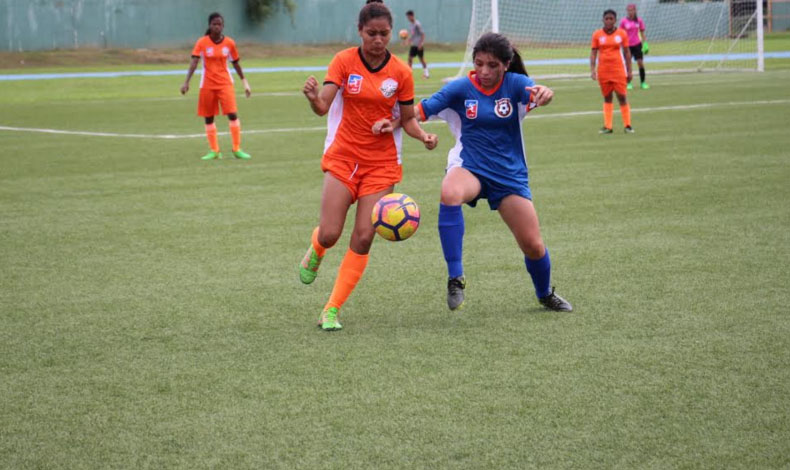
484, 112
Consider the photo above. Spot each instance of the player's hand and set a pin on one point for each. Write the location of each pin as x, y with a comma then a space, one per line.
382, 126
645, 48
593, 75
430, 141
247, 90
629, 76
310, 88
184, 88
542, 94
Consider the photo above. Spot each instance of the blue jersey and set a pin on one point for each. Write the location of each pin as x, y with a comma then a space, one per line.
486, 125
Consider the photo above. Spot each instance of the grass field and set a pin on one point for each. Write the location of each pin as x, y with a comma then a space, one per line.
151, 314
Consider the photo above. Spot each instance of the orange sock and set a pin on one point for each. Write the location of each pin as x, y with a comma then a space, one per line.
319, 248
625, 111
211, 135
608, 109
235, 133
348, 275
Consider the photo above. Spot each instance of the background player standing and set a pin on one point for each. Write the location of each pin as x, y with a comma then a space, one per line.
417, 41
362, 85
635, 27
216, 85
610, 50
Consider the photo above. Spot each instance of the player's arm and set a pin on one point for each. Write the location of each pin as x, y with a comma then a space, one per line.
422, 38
593, 60
320, 99
645, 47
409, 123
237, 66
190, 71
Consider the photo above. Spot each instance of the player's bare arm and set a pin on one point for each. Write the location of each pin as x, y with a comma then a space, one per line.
543, 95
593, 59
247, 89
319, 98
627, 54
192, 66
409, 123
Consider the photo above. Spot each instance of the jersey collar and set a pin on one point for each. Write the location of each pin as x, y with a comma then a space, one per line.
367, 66
480, 88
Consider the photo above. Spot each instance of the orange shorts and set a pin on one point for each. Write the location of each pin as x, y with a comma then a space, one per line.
360, 179
609, 84
210, 100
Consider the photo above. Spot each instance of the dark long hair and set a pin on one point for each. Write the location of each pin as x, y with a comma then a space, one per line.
210, 19
373, 10
499, 46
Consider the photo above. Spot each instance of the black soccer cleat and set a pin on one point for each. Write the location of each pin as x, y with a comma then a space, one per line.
555, 302
605, 130
455, 292
629, 130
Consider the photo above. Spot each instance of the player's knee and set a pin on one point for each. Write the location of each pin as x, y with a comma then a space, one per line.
361, 240
452, 195
210, 120
232, 116
328, 237
533, 247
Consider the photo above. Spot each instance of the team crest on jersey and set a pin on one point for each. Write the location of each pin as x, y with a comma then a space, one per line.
503, 108
225, 51
354, 85
618, 39
210, 51
388, 87
471, 109
602, 40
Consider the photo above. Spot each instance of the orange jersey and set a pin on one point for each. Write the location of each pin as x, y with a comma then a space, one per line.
215, 61
611, 62
365, 96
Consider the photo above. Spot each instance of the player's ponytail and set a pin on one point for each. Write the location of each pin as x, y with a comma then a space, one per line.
498, 46
210, 19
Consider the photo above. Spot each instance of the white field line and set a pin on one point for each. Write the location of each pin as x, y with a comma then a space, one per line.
323, 128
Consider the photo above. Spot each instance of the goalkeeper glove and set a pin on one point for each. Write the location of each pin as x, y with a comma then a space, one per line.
645, 48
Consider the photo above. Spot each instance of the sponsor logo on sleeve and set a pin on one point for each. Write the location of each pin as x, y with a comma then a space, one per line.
503, 108
471, 109
354, 85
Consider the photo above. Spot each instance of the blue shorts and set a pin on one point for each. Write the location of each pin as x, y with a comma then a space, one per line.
494, 191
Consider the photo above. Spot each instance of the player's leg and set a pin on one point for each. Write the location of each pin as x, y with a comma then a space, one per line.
642, 74
228, 103
458, 187
425, 72
412, 53
608, 106
625, 108
335, 201
208, 107
520, 216
354, 262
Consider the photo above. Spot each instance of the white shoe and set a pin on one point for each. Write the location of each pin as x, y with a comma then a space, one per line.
426, 74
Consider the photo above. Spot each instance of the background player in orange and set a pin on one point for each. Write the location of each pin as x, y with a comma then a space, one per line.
610, 49
363, 86
216, 84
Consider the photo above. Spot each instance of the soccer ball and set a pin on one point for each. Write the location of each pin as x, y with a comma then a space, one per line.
395, 217
403, 34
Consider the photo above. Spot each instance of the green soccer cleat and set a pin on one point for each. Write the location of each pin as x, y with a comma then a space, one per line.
630, 86
308, 268
328, 320
212, 156
241, 154
645, 86
605, 130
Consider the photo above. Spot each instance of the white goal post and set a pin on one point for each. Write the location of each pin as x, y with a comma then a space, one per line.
553, 36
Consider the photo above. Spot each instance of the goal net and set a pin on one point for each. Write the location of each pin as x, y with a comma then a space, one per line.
553, 36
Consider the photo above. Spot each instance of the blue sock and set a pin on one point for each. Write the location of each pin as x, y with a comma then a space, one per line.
540, 271
451, 233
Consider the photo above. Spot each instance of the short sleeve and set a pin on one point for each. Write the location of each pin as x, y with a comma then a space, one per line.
198, 48
234, 53
625, 39
522, 88
641, 25
437, 102
335, 72
594, 42
406, 91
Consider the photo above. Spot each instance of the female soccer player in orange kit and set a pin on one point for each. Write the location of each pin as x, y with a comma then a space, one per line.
216, 84
362, 86
614, 69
